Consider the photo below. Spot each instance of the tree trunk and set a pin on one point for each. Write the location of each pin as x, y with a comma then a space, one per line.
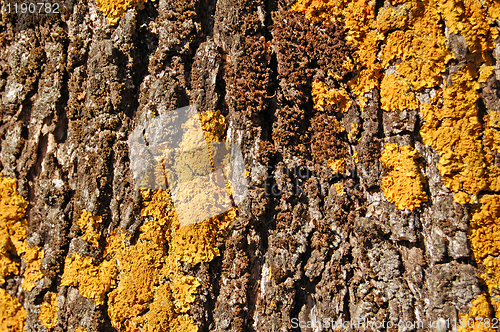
370, 133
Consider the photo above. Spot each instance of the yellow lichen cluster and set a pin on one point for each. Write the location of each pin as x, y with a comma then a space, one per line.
452, 128
13, 235
114, 9
339, 188
403, 185
213, 125
336, 165
93, 281
48, 311
396, 94
403, 50
12, 313
479, 317
143, 281
484, 235
90, 226
322, 97
484, 232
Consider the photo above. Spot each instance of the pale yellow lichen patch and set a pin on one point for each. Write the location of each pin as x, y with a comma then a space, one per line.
336, 165
13, 235
403, 185
323, 97
339, 188
396, 94
81, 329
92, 281
48, 311
480, 310
90, 226
114, 9
12, 313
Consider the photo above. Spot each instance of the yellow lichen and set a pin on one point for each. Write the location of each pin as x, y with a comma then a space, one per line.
90, 226
396, 94
152, 293
114, 9
339, 188
491, 275
403, 185
485, 72
389, 19
48, 311
484, 232
213, 125
480, 310
353, 133
92, 281
453, 130
13, 235
322, 97
412, 37
81, 329
12, 313
184, 289
337, 165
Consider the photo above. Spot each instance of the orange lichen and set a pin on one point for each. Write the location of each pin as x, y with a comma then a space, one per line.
390, 19
48, 311
491, 275
478, 312
90, 226
92, 281
152, 293
453, 130
12, 313
114, 9
396, 94
184, 289
13, 235
322, 97
485, 72
469, 19
403, 185
353, 133
413, 38
484, 232
337, 165
213, 125
491, 144
339, 188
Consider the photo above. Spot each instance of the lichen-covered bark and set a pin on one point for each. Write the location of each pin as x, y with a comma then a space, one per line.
371, 138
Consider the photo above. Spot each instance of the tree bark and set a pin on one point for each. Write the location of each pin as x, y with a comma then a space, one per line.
317, 237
